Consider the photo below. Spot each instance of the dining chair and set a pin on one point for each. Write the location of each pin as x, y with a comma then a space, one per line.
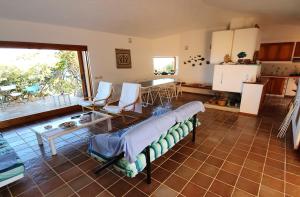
147, 96
167, 92
32, 91
104, 92
178, 88
11, 94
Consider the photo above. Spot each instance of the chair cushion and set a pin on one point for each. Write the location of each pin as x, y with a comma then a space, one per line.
91, 103
85, 103
113, 109
104, 90
130, 93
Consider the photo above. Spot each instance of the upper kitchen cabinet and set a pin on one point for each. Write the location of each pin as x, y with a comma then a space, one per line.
220, 46
232, 42
296, 57
297, 50
276, 51
245, 40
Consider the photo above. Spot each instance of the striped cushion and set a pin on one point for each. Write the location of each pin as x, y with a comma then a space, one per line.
170, 140
164, 145
15, 167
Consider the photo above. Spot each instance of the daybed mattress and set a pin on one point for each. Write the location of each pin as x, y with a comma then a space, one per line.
10, 163
157, 148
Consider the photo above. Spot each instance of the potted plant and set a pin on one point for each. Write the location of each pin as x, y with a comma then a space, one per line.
241, 56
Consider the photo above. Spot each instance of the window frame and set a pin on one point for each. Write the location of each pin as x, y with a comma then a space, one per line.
175, 64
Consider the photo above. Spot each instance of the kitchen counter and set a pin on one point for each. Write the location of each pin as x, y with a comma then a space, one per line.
261, 82
277, 76
280, 85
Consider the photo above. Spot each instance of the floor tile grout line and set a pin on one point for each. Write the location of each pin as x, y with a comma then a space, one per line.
172, 172
180, 166
247, 155
285, 167
206, 189
264, 165
215, 178
266, 157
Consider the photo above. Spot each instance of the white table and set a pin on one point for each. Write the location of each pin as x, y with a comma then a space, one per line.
157, 82
49, 135
149, 88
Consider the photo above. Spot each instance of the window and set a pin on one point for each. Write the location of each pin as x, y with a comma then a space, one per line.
164, 65
43, 77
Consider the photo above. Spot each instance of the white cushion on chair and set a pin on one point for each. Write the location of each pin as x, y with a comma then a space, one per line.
85, 103
130, 93
104, 90
90, 103
113, 109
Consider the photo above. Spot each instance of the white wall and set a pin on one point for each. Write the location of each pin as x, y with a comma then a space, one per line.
197, 42
101, 47
166, 46
280, 33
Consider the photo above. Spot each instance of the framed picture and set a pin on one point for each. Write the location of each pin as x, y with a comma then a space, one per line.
123, 58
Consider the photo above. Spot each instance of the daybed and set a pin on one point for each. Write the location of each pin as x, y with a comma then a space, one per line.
11, 167
131, 150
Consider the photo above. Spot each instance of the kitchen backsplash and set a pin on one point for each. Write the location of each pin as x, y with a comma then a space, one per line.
281, 69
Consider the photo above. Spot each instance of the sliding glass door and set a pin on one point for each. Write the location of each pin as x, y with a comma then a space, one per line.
36, 78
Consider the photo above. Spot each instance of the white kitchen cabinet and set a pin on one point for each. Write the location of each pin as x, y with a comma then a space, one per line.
251, 98
221, 45
245, 40
230, 78
233, 42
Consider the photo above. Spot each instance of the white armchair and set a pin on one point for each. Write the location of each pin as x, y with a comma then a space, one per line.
130, 96
104, 92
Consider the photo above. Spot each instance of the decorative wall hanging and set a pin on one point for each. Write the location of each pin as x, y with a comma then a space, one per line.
123, 58
195, 60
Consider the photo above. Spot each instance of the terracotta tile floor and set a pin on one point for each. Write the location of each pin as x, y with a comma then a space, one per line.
234, 155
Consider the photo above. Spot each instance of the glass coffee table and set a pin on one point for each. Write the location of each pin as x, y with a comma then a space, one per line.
68, 124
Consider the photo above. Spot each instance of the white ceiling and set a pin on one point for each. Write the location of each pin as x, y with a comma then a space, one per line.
148, 18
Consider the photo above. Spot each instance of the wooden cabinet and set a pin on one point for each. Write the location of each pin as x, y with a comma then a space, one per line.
296, 57
230, 78
276, 51
297, 50
275, 86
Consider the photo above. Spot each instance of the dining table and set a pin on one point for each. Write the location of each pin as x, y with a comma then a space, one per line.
151, 90
157, 82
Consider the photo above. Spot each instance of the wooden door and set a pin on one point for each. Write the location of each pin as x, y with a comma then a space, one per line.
297, 50
272, 52
285, 51
277, 86
262, 54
